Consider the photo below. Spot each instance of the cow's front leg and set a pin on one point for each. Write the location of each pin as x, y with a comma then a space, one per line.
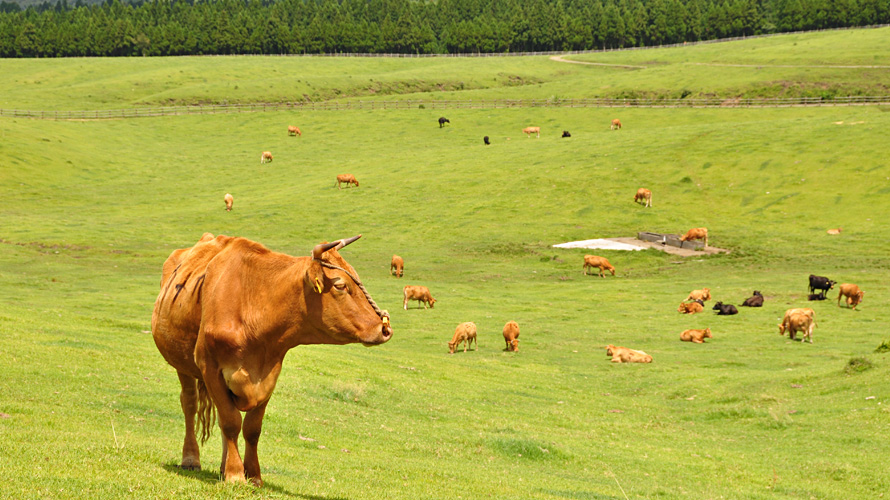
253, 426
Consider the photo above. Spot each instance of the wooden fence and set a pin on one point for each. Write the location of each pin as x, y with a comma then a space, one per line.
375, 105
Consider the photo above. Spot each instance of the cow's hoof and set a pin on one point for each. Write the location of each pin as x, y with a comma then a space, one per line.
190, 463
258, 482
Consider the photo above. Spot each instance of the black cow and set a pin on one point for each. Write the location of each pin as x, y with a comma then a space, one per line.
820, 283
565, 133
443, 121
700, 302
485, 140
725, 309
755, 301
816, 296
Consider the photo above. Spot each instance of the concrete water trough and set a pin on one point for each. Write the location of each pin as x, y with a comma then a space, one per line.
670, 240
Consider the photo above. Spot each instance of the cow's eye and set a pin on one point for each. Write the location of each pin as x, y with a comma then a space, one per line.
340, 286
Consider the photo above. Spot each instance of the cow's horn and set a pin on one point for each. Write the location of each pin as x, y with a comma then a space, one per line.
336, 245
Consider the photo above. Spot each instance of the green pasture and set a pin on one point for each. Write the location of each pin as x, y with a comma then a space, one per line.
816, 69
91, 209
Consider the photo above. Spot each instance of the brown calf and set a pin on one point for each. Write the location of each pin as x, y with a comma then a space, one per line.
230, 200
346, 178
511, 335
602, 263
294, 131
418, 293
703, 295
624, 355
528, 131
398, 265
696, 336
266, 156
616, 124
698, 233
690, 307
465, 332
852, 292
643, 197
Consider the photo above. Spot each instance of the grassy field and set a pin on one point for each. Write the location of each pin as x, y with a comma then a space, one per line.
92, 209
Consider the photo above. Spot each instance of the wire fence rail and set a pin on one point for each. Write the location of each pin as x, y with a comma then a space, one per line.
376, 105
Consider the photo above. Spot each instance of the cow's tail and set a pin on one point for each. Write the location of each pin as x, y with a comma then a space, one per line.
206, 413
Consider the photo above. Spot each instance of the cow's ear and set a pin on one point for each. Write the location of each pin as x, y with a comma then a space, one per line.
314, 278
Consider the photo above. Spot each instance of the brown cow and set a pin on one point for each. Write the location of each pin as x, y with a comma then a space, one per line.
347, 178
852, 292
528, 131
798, 320
230, 200
511, 335
698, 233
420, 294
835, 231
690, 307
696, 336
229, 310
643, 197
624, 355
703, 295
465, 332
398, 265
294, 131
616, 124
266, 156
602, 263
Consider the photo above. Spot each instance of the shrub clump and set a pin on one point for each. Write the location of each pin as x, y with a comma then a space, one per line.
858, 365
884, 347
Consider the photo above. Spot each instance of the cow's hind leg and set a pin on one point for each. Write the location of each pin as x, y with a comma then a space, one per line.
188, 398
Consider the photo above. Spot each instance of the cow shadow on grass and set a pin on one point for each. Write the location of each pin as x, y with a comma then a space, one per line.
213, 477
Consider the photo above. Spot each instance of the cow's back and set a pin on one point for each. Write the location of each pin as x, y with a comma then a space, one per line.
176, 318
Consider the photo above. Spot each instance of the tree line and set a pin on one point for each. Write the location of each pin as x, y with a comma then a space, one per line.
193, 27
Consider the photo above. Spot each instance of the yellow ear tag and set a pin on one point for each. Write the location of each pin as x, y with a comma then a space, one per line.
385, 320
318, 286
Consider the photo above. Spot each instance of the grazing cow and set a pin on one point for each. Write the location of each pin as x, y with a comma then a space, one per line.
397, 266
725, 309
528, 131
465, 332
625, 355
616, 124
511, 335
229, 310
852, 292
419, 293
835, 231
816, 296
266, 156
703, 295
602, 263
698, 233
754, 301
691, 307
346, 178
294, 131
230, 200
696, 336
643, 197
486, 141
443, 121
565, 133
821, 283
798, 320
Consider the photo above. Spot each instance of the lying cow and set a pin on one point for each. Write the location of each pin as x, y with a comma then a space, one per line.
821, 283
266, 156
294, 131
602, 263
643, 197
703, 295
565, 133
725, 309
443, 121
835, 231
852, 292
691, 307
511, 335
486, 141
230, 200
624, 355
465, 332
346, 178
798, 320
815, 296
698, 233
616, 124
397, 266
754, 301
696, 336
528, 131
419, 293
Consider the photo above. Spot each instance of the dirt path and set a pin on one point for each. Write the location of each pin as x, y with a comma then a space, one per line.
628, 66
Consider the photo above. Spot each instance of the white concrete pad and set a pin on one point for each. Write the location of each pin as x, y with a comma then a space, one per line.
600, 243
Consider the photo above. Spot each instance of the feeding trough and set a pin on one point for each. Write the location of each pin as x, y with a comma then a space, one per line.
669, 240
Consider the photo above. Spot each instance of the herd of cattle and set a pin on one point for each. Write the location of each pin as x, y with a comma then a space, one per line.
212, 321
